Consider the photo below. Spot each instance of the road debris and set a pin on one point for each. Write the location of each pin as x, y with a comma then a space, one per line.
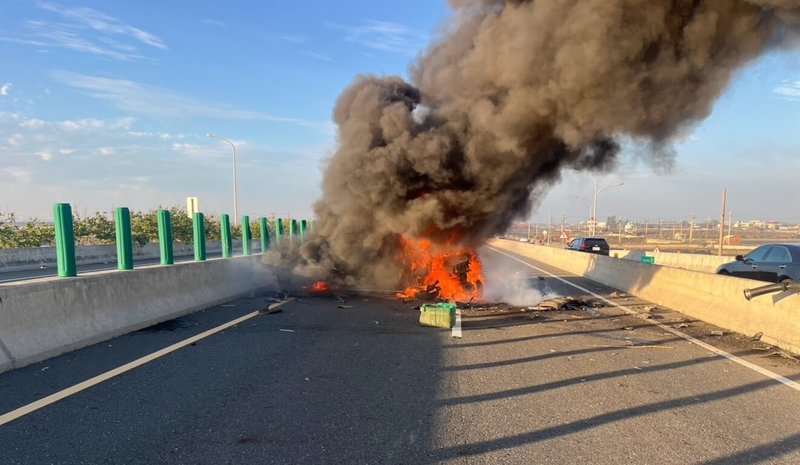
439, 315
286, 330
344, 306
757, 336
717, 333
782, 354
649, 346
270, 309
566, 304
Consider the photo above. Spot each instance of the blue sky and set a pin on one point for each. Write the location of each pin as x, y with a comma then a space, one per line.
106, 104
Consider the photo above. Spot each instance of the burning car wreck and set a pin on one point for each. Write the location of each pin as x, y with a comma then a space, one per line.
456, 279
440, 272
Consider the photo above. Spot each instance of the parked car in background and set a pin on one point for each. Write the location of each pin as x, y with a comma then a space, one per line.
596, 245
771, 262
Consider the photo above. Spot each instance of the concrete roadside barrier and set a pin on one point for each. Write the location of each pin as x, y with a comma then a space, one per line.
43, 318
716, 299
34, 258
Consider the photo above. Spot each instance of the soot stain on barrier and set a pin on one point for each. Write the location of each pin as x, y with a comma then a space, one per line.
166, 326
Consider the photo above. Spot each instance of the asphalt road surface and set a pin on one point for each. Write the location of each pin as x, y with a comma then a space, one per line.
51, 271
358, 381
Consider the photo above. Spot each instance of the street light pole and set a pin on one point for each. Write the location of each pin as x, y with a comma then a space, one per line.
235, 183
594, 204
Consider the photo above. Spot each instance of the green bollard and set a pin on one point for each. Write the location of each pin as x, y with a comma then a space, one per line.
122, 221
303, 230
199, 230
247, 236
278, 231
225, 232
262, 224
292, 232
65, 240
165, 237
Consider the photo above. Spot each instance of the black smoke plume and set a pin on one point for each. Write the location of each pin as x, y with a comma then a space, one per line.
513, 92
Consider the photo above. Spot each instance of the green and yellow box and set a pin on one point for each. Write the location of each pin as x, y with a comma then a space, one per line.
440, 315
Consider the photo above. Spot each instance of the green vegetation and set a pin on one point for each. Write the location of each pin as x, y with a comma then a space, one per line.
99, 229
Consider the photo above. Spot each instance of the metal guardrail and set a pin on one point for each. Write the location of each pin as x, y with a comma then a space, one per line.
790, 287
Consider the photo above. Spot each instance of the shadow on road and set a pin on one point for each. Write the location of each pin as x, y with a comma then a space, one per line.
522, 439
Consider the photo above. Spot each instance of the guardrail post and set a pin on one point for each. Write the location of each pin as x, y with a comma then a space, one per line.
278, 231
247, 236
199, 231
65, 240
122, 223
262, 224
292, 231
303, 227
165, 237
225, 233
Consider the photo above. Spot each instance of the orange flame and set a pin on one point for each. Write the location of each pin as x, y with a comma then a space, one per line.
451, 272
320, 287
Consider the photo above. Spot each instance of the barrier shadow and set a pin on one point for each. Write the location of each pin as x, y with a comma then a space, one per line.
533, 437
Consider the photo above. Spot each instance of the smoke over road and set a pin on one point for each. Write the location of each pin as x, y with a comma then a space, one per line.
513, 92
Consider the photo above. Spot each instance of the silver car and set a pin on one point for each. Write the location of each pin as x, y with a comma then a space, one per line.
771, 262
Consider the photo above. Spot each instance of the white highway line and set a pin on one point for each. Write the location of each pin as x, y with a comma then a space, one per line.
758, 369
63, 394
457, 325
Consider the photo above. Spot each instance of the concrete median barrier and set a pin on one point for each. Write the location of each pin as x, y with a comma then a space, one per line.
687, 261
712, 298
43, 318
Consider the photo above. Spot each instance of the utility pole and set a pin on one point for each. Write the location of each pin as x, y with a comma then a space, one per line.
722, 219
621, 222
549, 228
235, 182
691, 230
645, 230
708, 226
529, 231
660, 226
730, 223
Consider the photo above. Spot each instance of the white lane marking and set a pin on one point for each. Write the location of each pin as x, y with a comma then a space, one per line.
457, 325
63, 394
769, 374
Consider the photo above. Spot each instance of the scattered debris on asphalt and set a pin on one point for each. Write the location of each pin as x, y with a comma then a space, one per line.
567, 303
344, 306
717, 333
782, 354
270, 309
682, 325
631, 346
286, 330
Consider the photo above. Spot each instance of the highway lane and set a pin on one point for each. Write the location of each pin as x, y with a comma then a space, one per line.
52, 271
317, 383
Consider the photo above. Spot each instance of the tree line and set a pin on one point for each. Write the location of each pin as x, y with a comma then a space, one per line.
99, 228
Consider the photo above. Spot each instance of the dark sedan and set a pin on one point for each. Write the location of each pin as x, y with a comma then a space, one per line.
596, 245
771, 262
